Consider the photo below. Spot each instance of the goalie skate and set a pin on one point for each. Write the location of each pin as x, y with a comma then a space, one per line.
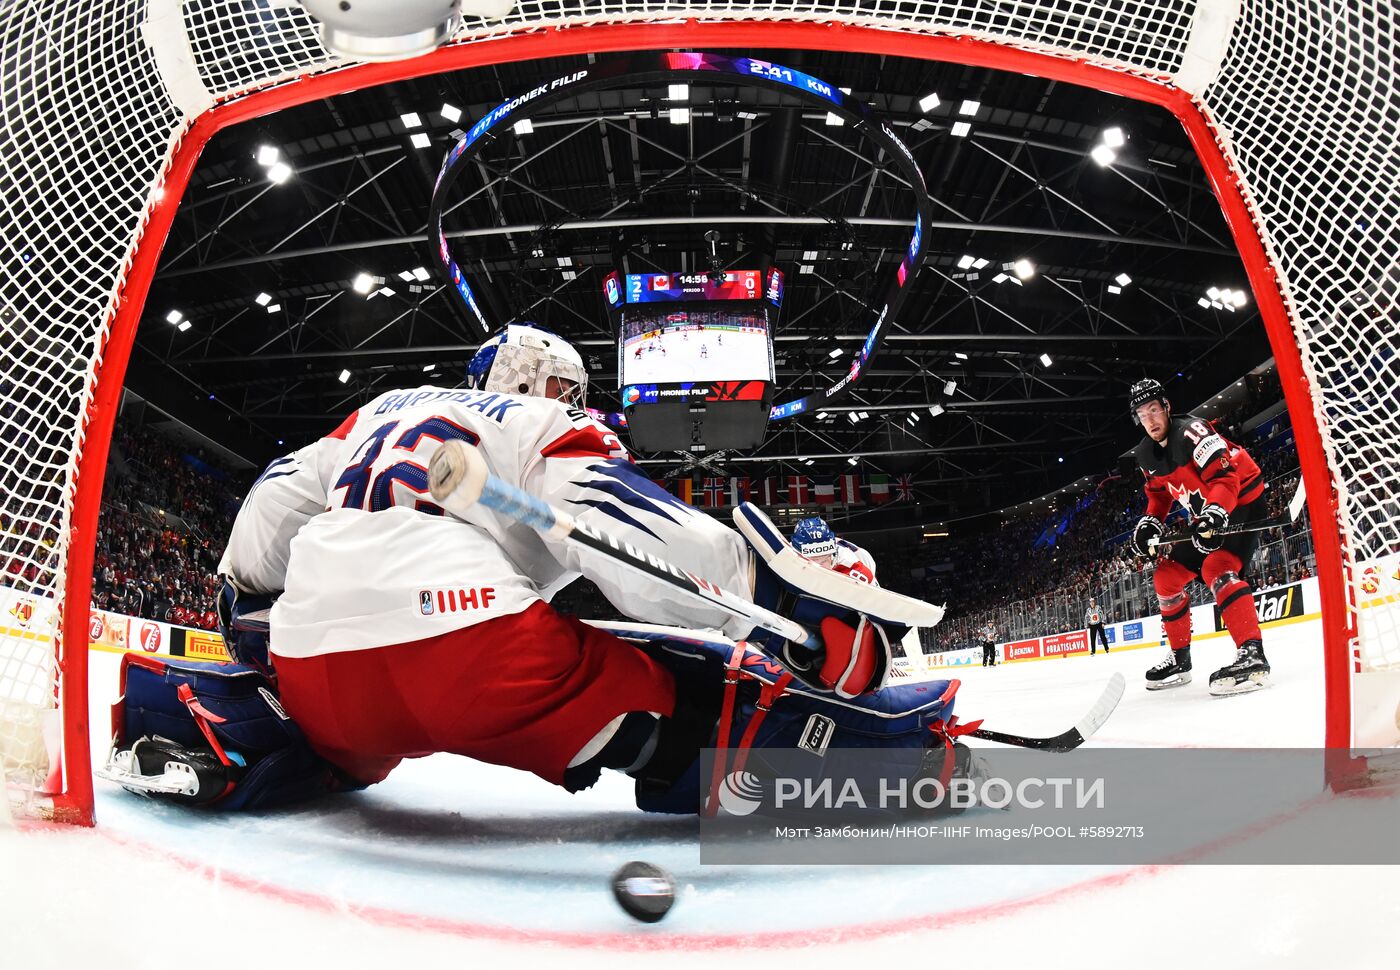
1249, 672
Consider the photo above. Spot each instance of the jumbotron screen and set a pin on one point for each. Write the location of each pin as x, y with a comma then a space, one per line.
712, 342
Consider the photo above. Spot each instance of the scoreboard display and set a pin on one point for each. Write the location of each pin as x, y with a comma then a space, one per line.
695, 356
745, 284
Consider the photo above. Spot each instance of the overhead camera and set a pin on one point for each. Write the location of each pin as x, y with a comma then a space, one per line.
390, 30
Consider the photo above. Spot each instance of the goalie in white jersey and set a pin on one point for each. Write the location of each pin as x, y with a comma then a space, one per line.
401, 631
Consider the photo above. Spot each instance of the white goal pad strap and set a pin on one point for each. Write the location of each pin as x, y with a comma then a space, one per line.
789, 566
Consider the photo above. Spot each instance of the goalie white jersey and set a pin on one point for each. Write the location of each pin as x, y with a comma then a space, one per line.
347, 529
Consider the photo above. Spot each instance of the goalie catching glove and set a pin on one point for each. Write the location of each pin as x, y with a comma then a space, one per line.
856, 622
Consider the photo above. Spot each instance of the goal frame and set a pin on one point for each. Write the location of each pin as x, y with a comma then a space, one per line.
75, 802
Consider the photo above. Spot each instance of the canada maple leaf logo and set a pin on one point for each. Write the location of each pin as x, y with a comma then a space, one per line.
1189, 498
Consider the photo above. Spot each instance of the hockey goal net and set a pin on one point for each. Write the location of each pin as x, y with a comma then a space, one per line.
1291, 105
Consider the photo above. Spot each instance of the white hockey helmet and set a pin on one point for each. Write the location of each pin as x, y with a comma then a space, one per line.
522, 357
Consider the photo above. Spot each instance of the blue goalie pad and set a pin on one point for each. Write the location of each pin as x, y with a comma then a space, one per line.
898, 718
230, 712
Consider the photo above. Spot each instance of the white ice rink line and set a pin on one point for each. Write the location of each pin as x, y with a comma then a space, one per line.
451, 860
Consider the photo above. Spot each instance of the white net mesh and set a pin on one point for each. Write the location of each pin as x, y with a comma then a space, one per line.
1306, 106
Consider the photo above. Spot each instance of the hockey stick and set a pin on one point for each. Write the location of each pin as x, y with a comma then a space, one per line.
1075, 736
459, 479
1295, 508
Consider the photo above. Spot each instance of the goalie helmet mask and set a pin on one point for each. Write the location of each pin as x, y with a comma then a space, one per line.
522, 357
1143, 392
813, 539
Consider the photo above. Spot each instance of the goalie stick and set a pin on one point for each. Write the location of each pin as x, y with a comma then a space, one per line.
459, 479
1075, 736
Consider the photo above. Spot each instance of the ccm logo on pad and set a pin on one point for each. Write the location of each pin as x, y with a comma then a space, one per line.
455, 599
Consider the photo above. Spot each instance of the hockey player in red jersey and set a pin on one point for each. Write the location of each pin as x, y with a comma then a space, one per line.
1220, 486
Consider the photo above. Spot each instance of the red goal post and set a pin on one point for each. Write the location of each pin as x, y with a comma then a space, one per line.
107, 106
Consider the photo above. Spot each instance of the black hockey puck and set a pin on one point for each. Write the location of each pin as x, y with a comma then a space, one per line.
644, 891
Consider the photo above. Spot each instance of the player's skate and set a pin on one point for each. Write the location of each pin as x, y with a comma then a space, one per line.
1175, 671
1249, 672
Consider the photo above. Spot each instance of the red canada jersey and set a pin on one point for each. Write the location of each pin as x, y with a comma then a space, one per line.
1197, 466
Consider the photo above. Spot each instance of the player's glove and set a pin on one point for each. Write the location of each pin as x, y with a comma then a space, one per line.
1206, 529
243, 621
1148, 528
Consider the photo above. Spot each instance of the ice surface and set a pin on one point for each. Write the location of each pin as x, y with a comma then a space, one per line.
453, 860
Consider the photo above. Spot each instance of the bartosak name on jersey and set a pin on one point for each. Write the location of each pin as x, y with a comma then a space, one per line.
1274, 604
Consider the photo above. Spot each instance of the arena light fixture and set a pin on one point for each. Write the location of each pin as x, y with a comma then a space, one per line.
864, 415
1104, 155
999, 278
965, 261
1115, 289
1203, 302
1113, 137
421, 274
363, 283
411, 119
523, 127
420, 140
914, 417
406, 275
809, 254
184, 326
344, 377
961, 129
267, 156
1213, 293
1239, 298
1122, 279
262, 299
834, 120
928, 102
174, 316
451, 112
853, 460
678, 92
980, 262
274, 307
279, 173
935, 410
970, 108
959, 355
385, 291
679, 116
805, 268
1023, 268
1045, 359
837, 352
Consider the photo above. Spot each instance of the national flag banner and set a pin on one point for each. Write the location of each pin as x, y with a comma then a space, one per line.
738, 491
770, 492
798, 490
848, 489
880, 489
824, 493
684, 488
714, 492
904, 488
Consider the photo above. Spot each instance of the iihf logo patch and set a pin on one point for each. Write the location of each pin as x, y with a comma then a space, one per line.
425, 602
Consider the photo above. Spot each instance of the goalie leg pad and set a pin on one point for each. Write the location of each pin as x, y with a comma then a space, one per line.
899, 719
223, 722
